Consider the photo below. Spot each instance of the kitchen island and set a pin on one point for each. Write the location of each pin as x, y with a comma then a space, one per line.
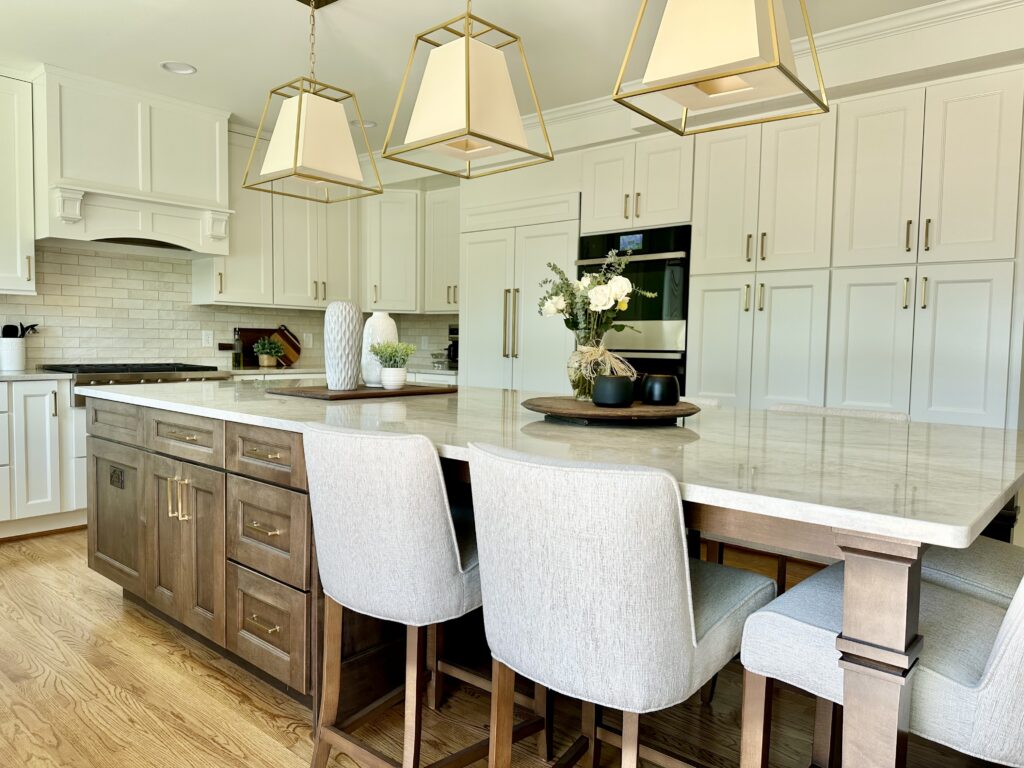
874, 493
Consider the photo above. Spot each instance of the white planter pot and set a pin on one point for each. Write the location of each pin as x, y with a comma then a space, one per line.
12, 355
393, 378
380, 327
343, 338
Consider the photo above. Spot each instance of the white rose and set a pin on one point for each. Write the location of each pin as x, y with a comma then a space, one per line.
600, 298
620, 287
559, 304
583, 283
548, 310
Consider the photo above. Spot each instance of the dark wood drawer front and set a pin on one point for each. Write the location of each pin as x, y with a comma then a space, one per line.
268, 625
268, 530
114, 421
193, 438
266, 454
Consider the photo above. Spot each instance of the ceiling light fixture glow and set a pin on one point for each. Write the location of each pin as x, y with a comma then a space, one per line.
178, 67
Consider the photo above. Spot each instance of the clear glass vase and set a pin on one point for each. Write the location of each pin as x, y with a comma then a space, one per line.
588, 361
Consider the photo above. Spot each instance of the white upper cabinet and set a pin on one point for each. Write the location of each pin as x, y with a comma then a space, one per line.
389, 237
726, 173
720, 338
642, 184
969, 186
338, 262
878, 179
871, 338
795, 205
441, 251
488, 274
790, 338
962, 343
298, 236
17, 233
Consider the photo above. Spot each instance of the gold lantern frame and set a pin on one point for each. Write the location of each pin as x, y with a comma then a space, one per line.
819, 104
463, 26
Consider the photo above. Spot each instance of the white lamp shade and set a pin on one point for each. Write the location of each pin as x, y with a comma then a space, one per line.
710, 40
440, 106
325, 146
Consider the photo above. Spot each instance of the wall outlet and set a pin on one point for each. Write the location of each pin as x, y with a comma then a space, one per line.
307, 340
207, 338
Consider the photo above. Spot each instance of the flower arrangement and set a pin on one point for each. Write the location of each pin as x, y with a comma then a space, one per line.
392, 354
589, 308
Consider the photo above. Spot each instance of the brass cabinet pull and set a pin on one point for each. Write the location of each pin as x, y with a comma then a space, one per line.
764, 236
760, 298
455, 294
910, 223
323, 285
515, 323
28, 264
924, 293
927, 234
906, 293
220, 282
636, 206
504, 324
54, 393
448, 293
174, 435
254, 525
316, 291
181, 504
254, 619
746, 297
256, 453
625, 207
374, 294
170, 498
750, 242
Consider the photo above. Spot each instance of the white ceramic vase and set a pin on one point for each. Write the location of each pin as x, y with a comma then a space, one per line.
343, 339
12, 354
393, 378
380, 327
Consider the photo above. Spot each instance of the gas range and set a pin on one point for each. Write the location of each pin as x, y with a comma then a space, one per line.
95, 374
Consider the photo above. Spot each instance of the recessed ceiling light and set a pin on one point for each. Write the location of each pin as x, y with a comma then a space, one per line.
178, 67
368, 123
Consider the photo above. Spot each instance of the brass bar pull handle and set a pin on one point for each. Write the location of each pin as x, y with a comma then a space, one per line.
220, 282
764, 237
504, 324
746, 297
906, 293
254, 619
254, 525
910, 223
515, 323
256, 453
636, 206
323, 293
182, 436
181, 502
170, 498
750, 242
455, 294
374, 294
448, 294
927, 234
760, 298
625, 206
28, 271
924, 293
316, 291
54, 393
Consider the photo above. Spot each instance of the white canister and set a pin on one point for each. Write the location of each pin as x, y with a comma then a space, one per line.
393, 378
380, 327
12, 355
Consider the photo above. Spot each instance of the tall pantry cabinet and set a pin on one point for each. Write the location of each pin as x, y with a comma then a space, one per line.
17, 222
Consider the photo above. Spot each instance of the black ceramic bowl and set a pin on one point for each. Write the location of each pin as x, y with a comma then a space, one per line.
613, 391
661, 390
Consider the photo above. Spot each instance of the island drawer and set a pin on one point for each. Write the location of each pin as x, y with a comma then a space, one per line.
268, 530
193, 438
266, 454
268, 625
119, 422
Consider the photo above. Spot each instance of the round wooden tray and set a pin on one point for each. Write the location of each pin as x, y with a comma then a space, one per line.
571, 410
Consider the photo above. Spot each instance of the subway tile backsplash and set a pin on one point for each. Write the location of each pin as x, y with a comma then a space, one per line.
428, 333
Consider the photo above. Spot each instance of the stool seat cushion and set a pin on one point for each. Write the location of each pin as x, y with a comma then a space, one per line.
989, 569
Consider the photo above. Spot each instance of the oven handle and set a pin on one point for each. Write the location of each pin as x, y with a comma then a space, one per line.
626, 353
634, 259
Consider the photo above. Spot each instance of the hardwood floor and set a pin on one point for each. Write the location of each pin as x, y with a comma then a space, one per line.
90, 680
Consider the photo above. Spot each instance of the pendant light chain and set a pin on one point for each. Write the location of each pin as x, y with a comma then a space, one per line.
312, 39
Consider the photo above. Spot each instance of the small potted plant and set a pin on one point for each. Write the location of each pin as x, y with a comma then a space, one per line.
268, 350
393, 357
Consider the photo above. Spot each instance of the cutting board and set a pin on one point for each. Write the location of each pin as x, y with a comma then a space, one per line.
362, 393
290, 342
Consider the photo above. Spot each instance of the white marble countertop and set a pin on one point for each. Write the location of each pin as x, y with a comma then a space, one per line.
932, 483
34, 375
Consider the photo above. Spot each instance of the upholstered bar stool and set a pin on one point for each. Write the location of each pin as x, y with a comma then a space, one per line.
387, 547
588, 590
968, 683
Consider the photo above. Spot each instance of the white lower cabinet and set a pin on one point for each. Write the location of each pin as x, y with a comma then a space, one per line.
720, 338
35, 453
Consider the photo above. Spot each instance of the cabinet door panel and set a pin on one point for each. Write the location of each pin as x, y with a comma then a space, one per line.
488, 259
726, 171
961, 343
441, 251
664, 181
17, 225
795, 209
246, 275
35, 456
790, 327
117, 544
871, 338
969, 192
719, 338
607, 180
878, 179
86, 112
296, 252
202, 544
389, 249
185, 161
163, 534
338, 257
540, 344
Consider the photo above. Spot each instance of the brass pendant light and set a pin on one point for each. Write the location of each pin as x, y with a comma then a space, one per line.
312, 154
729, 61
465, 120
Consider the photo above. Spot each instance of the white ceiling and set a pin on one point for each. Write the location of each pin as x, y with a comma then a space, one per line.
243, 47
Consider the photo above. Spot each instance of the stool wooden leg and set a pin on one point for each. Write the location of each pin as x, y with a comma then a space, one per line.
716, 552
330, 684
503, 688
757, 720
435, 650
780, 575
630, 739
827, 749
591, 721
544, 706
415, 655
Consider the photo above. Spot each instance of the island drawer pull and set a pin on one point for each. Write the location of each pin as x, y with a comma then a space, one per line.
254, 619
255, 525
175, 435
170, 498
181, 505
256, 453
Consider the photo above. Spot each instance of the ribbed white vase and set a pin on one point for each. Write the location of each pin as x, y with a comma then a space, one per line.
343, 338
380, 327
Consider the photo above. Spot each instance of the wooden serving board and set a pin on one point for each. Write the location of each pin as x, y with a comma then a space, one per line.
362, 393
573, 411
